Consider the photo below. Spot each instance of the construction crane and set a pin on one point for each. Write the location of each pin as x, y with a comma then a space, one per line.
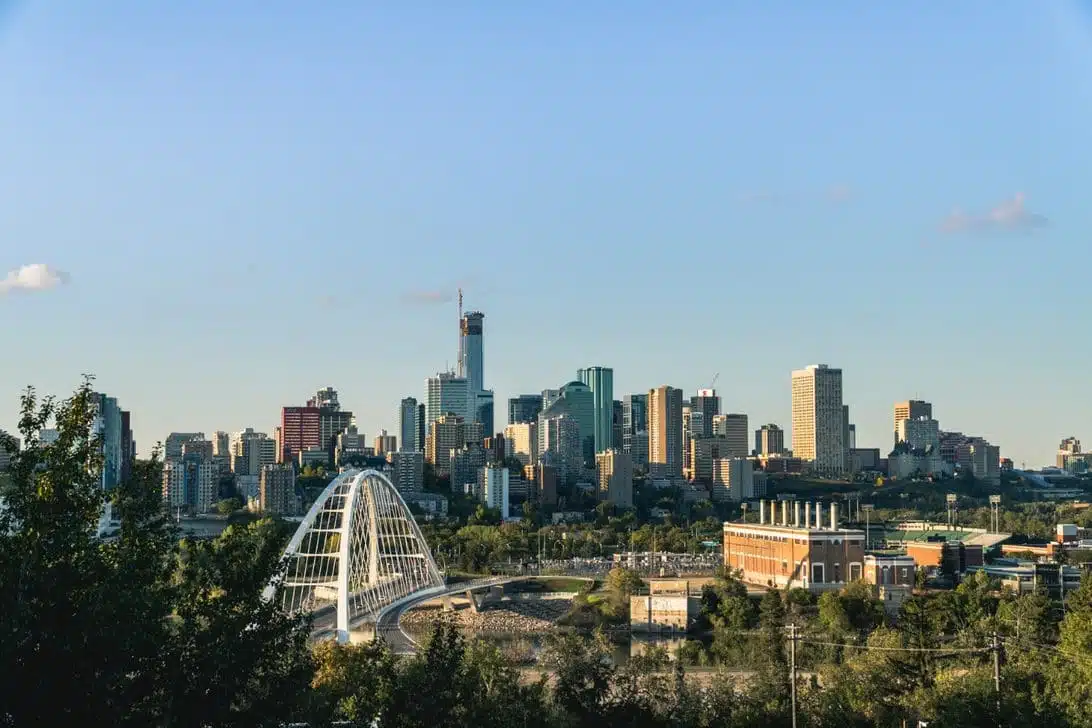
713, 384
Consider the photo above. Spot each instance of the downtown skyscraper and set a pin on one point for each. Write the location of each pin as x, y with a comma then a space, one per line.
818, 420
600, 381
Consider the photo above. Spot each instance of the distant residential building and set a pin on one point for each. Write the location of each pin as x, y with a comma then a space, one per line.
577, 402
277, 490
691, 423
617, 416
911, 409
251, 450
8, 451
1070, 458
665, 431
191, 484
638, 449
313, 457
769, 440
600, 380
351, 442
733, 480
221, 444
818, 435
128, 445
492, 487
559, 436
201, 449
521, 442
703, 451
546, 484
524, 408
300, 430
172, 446
385, 443
408, 426
734, 429
408, 470
483, 409
614, 471
449, 432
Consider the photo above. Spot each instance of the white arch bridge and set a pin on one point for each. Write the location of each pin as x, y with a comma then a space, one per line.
357, 555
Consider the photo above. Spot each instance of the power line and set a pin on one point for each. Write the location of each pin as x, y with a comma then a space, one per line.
898, 649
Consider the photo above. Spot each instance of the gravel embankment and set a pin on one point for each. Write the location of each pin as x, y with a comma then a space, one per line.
515, 616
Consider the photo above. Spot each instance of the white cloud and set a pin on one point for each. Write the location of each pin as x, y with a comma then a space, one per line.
33, 277
1008, 215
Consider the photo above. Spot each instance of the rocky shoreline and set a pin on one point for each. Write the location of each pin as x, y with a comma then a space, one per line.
510, 616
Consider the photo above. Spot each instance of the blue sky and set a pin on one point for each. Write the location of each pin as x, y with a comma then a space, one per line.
252, 200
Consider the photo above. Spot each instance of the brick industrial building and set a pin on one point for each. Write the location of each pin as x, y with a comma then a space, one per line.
803, 546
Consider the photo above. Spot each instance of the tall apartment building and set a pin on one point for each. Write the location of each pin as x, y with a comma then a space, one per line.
708, 404
277, 490
172, 447
521, 442
465, 462
733, 427
769, 440
408, 468
665, 430
703, 452
614, 472
351, 442
1068, 450
191, 484
733, 480
449, 432
493, 487
616, 424
385, 443
447, 393
818, 433
407, 425
301, 429
546, 484
483, 409
635, 427
128, 445
524, 408
559, 444
576, 401
600, 380
692, 426
221, 444
325, 398
251, 450
107, 426
911, 409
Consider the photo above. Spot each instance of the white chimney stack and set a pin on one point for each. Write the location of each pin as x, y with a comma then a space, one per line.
784, 513
833, 516
807, 514
796, 514
762, 511
818, 515
773, 513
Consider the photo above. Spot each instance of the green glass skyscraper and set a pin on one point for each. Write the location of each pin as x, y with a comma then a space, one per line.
600, 381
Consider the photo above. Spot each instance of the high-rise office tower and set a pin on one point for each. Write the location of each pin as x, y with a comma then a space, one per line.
471, 364
107, 426
448, 393
665, 430
422, 426
407, 425
446, 434
708, 403
617, 416
172, 448
221, 443
483, 409
559, 443
325, 398
251, 450
128, 445
385, 443
576, 400
524, 408
734, 429
817, 418
911, 409
600, 381
521, 442
770, 440
634, 420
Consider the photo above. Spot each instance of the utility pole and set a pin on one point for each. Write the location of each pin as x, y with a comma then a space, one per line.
792, 667
995, 647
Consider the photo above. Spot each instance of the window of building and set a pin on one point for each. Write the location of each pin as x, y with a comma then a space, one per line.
837, 573
854, 572
817, 573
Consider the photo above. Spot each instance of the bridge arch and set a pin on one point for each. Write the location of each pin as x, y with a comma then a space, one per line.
357, 551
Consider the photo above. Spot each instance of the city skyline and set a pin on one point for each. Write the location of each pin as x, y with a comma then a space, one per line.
907, 220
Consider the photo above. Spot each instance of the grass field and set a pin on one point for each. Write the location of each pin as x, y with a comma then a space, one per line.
924, 535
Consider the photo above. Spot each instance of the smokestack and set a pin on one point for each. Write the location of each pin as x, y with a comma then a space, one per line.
819, 515
773, 513
807, 514
762, 511
833, 516
784, 513
796, 514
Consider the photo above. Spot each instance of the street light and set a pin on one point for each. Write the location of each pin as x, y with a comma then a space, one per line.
867, 508
995, 513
